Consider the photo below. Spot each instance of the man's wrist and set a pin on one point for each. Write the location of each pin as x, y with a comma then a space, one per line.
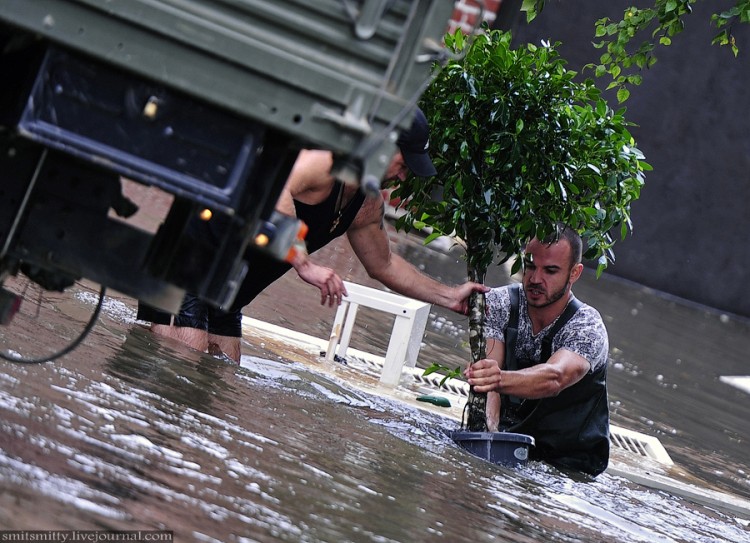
297, 255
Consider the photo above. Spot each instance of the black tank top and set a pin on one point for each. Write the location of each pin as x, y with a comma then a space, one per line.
325, 221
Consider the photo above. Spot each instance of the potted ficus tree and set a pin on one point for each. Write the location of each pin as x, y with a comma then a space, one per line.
519, 144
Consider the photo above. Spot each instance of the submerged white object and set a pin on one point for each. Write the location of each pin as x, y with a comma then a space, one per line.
738, 381
406, 336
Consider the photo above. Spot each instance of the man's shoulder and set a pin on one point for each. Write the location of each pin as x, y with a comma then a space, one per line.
586, 335
587, 317
589, 310
310, 180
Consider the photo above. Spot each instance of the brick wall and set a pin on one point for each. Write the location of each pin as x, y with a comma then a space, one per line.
466, 12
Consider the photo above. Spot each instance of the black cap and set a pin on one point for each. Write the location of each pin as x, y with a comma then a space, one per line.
414, 144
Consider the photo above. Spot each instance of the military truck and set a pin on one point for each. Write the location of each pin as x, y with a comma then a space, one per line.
208, 101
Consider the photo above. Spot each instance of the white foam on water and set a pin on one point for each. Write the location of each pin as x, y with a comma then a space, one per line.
115, 309
347, 399
268, 368
590, 510
61, 488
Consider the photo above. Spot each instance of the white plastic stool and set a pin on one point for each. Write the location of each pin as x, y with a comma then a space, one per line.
406, 337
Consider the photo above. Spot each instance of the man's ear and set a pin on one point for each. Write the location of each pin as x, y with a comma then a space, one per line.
576, 272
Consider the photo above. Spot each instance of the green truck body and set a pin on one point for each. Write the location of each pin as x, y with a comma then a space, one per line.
208, 100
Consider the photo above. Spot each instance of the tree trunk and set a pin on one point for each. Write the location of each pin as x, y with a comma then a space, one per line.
475, 419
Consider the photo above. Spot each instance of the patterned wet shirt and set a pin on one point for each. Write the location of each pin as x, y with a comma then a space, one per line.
584, 334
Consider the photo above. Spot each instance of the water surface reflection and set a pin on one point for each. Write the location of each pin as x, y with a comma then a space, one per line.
132, 432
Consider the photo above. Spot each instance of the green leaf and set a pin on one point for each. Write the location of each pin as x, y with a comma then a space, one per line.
432, 237
449, 373
532, 8
458, 40
432, 369
590, 211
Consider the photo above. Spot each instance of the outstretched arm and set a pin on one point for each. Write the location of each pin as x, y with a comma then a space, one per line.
370, 243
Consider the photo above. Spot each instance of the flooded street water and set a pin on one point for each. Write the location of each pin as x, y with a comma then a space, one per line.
132, 432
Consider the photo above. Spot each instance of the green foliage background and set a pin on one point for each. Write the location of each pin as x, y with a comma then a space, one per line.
624, 56
520, 144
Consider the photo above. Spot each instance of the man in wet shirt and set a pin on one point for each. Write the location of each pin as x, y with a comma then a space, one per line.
546, 365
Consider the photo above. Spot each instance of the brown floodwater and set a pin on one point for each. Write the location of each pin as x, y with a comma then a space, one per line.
133, 432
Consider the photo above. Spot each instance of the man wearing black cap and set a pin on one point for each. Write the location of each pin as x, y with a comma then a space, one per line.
414, 146
329, 208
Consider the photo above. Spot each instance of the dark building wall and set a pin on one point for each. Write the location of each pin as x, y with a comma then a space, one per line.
692, 223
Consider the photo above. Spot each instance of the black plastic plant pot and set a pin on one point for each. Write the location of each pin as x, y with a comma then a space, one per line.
504, 448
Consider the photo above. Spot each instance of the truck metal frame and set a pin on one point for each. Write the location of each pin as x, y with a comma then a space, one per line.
208, 100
